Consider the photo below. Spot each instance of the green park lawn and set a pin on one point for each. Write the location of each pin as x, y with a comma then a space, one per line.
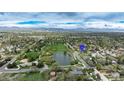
36, 76
56, 47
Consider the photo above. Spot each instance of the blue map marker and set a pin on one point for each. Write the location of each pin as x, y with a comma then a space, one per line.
82, 47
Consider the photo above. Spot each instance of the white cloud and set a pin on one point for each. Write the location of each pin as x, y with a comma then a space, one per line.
59, 20
104, 24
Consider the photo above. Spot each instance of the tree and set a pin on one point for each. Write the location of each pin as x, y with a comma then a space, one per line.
13, 65
90, 70
40, 65
121, 59
74, 62
98, 66
79, 78
54, 66
33, 64
65, 52
94, 60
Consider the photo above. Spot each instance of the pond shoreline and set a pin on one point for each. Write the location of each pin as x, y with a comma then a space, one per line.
61, 58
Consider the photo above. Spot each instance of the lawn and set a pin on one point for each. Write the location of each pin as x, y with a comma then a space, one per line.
32, 55
36, 76
57, 47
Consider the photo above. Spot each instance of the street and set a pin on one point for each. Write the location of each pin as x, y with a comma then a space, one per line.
77, 57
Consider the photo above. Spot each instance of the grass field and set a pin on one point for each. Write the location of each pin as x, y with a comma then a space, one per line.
35, 76
57, 47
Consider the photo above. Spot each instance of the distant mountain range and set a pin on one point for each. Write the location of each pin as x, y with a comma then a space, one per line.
60, 29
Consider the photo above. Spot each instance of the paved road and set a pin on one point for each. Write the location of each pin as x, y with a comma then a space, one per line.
77, 56
14, 59
23, 70
103, 78
4, 66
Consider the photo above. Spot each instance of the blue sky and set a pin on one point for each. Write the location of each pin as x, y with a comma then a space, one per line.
68, 20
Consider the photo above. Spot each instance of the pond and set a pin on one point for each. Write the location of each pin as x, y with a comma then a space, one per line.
61, 58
